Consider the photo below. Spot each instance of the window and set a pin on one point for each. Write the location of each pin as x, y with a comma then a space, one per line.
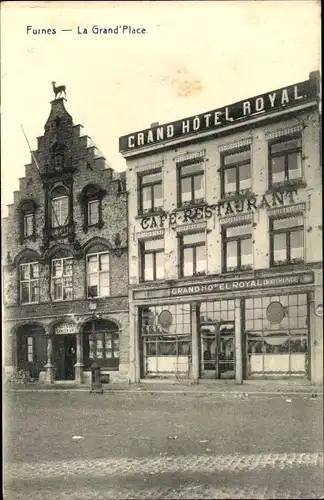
59, 207
150, 192
27, 220
30, 349
29, 283
98, 277
103, 345
192, 254
286, 240
236, 173
237, 248
285, 160
281, 347
28, 225
93, 212
91, 203
191, 184
152, 259
62, 271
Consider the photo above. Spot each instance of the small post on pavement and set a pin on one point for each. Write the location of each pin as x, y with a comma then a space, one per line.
96, 385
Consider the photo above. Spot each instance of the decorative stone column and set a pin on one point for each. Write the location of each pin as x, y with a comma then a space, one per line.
194, 344
49, 374
238, 343
79, 363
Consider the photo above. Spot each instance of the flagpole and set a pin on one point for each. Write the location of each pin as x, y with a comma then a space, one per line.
31, 152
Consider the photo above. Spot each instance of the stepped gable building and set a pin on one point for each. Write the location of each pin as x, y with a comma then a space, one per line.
65, 277
225, 241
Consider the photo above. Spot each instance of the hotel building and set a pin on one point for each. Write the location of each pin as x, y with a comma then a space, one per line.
225, 241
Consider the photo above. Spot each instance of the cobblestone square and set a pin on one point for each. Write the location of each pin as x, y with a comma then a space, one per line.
83, 446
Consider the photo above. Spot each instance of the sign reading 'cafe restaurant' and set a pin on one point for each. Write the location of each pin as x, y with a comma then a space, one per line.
196, 214
212, 120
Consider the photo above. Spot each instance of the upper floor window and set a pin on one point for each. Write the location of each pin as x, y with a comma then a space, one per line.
91, 201
236, 173
286, 240
285, 160
59, 207
98, 275
150, 192
93, 212
27, 220
192, 254
29, 283
28, 225
61, 276
237, 248
152, 259
191, 184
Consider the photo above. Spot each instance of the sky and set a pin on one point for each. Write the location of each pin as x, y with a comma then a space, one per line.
195, 56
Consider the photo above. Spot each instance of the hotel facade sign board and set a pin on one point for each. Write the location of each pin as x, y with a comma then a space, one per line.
243, 285
217, 118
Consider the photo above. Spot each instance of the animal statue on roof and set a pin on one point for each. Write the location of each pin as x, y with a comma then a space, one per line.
58, 91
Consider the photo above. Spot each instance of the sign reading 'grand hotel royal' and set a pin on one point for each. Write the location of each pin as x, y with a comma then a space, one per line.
220, 117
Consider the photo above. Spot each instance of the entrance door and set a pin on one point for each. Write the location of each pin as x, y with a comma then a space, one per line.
65, 356
217, 350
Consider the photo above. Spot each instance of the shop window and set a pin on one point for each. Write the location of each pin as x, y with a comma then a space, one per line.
166, 349
29, 283
192, 254
59, 207
237, 248
277, 346
150, 192
101, 343
98, 275
285, 160
286, 240
236, 173
61, 278
91, 202
190, 184
152, 259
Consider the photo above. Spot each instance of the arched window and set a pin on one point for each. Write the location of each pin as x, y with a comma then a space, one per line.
59, 207
101, 344
91, 200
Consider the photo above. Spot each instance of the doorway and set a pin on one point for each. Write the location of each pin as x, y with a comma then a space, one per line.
217, 351
65, 356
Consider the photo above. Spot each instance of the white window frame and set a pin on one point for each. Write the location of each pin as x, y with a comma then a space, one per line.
57, 278
28, 217
98, 272
29, 281
91, 202
57, 218
30, 349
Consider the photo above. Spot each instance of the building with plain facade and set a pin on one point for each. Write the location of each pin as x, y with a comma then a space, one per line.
225, 241
65, 274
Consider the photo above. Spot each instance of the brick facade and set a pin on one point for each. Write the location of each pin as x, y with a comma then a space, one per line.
66, 159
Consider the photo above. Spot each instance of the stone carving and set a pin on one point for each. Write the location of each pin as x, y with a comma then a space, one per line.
61, 89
